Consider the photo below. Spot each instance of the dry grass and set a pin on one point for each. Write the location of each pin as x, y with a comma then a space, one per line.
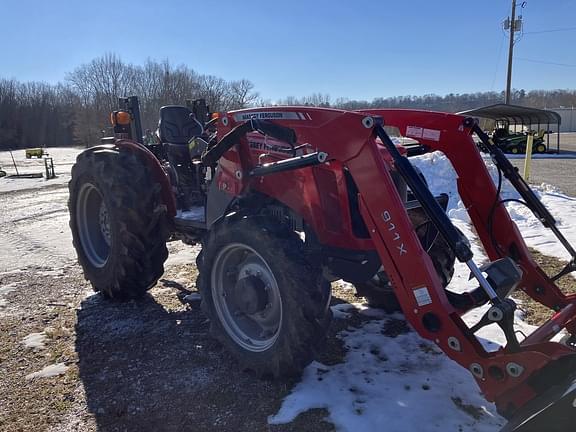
536, 313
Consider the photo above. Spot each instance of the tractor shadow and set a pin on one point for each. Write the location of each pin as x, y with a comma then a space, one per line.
146, 368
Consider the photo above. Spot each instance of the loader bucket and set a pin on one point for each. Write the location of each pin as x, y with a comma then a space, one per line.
552, 411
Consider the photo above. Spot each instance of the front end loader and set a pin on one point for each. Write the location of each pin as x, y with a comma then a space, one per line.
285, 200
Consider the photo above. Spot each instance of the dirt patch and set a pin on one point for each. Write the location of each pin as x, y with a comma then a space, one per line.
536, 313
42, 304
395, 327
473, 411
140, 365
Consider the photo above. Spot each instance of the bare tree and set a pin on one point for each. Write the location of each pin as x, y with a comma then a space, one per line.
242, 94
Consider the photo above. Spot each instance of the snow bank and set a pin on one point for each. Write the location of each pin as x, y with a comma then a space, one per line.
398, 384
562, 207
441, 178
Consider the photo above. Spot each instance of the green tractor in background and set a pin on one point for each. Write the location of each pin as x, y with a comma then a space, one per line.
37, 152
516, 143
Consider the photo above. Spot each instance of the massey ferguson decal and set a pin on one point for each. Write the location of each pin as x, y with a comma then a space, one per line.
272, 115
259, 144
262, 147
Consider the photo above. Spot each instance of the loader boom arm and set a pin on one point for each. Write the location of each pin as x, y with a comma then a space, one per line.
351, 140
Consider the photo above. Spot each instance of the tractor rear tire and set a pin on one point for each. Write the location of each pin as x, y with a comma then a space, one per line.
379, 292
118, 222
266, 304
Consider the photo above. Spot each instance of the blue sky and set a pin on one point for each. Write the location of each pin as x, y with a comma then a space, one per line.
355, 49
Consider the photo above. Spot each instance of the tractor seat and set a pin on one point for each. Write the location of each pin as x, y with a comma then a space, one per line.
177, 125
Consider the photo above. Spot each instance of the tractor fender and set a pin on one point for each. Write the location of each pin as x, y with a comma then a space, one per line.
159, 174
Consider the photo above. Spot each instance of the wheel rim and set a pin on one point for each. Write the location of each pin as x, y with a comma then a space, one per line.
93, 225
541, 149
514, 150
246, 297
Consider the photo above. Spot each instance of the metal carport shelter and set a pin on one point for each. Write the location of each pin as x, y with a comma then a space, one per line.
519, 115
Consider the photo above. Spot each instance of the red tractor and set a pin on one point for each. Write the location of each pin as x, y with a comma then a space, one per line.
285, 200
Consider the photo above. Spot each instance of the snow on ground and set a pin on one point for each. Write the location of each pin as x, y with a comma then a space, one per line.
182, 255
441, 178
406, 383
394, 384
341, 311
562, 207
34, 222
35, 341
63, 159
6, 289
49, 371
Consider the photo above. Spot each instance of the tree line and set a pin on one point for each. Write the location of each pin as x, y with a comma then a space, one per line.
447, 103
76, 111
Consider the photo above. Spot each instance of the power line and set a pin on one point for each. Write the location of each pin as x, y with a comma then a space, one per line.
546, 62
552, 30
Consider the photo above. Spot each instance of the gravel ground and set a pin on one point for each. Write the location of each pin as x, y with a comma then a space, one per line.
559, 172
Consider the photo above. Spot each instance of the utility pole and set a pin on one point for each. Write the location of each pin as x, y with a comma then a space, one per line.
513, 25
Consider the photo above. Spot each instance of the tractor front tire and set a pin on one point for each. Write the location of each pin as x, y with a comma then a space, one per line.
266, 304
118, 222
379, 292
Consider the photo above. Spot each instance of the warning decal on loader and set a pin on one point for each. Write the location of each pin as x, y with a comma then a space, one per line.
422, 296
414, 132
431, 134
272, 115
419, 132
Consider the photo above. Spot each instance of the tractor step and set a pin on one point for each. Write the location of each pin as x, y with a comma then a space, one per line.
194, 218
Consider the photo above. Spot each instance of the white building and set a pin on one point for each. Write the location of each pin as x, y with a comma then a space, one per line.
568, 119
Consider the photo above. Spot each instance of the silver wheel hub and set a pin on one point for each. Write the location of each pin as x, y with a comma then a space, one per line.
246, 297
104, 223
93, 224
